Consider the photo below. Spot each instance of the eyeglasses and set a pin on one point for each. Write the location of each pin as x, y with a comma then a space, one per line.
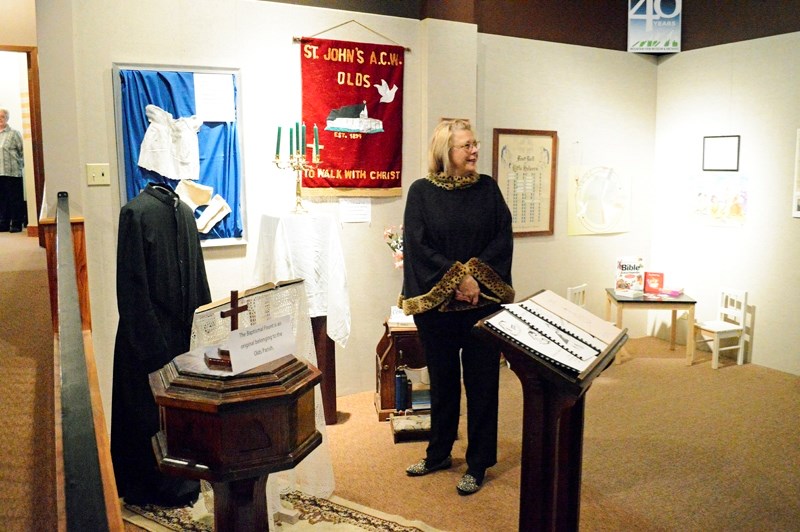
469, 146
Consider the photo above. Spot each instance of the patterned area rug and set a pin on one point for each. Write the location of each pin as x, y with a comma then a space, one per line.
335, 514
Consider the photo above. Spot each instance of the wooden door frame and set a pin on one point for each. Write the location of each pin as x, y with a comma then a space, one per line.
34, 100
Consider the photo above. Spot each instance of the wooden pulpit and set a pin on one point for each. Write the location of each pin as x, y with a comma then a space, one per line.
553, 395
234, 430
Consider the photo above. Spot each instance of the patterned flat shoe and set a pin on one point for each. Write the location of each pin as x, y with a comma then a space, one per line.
468, 485
422, 467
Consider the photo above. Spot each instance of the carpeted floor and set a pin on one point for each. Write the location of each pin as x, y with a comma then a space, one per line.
666, 447
27, 473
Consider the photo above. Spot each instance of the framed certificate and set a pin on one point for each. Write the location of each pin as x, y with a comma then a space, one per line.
524, 164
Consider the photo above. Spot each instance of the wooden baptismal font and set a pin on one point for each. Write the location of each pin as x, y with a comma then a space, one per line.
234, 430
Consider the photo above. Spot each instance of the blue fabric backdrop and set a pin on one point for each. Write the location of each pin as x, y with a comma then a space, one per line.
218, 141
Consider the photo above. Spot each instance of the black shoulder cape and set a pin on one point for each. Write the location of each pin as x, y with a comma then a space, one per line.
451, 229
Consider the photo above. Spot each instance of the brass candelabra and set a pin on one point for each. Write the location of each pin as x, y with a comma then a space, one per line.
299, 164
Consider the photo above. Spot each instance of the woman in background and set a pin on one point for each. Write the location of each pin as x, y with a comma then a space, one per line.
12, 196
457, 270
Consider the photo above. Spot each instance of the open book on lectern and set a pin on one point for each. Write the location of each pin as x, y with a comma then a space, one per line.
552, 328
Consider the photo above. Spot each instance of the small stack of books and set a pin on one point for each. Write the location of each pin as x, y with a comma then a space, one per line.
421, 399
654, 287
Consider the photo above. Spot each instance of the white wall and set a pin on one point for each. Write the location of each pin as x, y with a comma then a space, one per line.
12, 85
15, 97
749, 89
19, 23
18, 29
601, 102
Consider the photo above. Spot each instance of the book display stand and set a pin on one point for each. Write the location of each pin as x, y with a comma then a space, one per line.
556, 349
399, 346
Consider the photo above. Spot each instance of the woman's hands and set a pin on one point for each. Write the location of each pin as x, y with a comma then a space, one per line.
468, 290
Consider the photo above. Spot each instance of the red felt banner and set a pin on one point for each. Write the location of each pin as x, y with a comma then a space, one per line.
353, 93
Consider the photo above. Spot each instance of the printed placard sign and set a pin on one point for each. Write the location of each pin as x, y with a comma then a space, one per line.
258, 344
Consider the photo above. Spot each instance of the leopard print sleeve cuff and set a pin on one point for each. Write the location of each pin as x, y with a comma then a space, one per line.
488, 278
441, 293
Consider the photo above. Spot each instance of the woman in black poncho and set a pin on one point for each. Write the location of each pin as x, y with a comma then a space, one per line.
457, 247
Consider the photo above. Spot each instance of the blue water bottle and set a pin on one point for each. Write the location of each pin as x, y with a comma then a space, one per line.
400, 389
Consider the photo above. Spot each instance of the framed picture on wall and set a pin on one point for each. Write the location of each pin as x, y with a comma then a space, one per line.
178, 127
524, 164
721, 153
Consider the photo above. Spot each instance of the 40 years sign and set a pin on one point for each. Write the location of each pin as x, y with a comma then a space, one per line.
654, 26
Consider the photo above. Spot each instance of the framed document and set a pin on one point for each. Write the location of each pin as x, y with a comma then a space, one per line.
524, 164
721, 153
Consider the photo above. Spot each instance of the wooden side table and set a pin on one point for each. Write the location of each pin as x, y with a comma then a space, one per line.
674, 304
399, 346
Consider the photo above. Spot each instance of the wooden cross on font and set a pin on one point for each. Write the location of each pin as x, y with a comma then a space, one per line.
234, 311
223, 359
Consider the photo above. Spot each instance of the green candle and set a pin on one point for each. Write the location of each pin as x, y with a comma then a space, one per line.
303, 145
297, 135
316, 140
291, 143
278, 144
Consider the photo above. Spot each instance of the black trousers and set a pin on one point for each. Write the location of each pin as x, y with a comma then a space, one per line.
450, 348
12, 201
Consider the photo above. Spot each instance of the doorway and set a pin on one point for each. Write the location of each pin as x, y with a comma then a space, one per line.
19, 92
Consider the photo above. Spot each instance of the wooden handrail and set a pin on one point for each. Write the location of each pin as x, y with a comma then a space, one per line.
87, 495
48, 227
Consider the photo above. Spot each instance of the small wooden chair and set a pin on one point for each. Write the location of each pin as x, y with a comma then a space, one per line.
729, 324
577, 294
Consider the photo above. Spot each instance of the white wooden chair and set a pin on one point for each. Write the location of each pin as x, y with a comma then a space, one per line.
729, 324
577, 294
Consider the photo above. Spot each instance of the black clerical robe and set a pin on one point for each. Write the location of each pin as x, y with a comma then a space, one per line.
161, 280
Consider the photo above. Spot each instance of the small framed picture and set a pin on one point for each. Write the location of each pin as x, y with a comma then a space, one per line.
721, 153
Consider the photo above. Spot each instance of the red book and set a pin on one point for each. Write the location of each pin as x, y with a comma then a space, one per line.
653, 282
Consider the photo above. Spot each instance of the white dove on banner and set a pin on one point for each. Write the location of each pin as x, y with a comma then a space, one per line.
387, 94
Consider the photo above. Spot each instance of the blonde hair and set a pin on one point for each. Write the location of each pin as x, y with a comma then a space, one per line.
441, 142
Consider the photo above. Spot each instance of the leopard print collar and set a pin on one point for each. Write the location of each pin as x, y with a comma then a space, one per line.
453, 182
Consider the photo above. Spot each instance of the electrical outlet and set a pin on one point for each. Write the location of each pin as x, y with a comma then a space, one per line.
98, 174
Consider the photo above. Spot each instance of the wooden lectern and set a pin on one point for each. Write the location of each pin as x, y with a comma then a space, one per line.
234, 430
553, 401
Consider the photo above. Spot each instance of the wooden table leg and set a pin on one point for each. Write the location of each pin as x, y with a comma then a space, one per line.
673, 330
690, 337
618, 323
326, 362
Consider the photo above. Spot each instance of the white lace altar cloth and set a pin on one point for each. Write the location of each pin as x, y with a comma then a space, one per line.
314, 474
307, 246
